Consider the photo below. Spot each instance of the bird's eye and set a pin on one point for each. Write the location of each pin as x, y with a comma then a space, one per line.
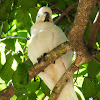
38, 16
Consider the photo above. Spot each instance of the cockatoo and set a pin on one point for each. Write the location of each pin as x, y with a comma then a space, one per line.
45, 36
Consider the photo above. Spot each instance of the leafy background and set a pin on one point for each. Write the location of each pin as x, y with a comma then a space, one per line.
16, 18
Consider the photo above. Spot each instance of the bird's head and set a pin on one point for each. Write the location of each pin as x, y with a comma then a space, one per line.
44, 15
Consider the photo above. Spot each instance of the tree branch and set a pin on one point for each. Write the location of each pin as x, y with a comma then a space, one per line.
59, 18
77, 32
65, 13
94, 31
7, 93
49, 58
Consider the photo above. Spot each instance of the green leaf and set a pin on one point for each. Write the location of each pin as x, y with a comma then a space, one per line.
22, 95
11, 16
22, 18
10, 44
22, 34
70, 2
0, 62
39, 94
17, 57
62, 23
3, 12
32, 96
20, 77
78, 95
7, 71
33, 84
33, 13
29, 64
98, 77
29, 90
61, 4
5, 26
44, 87
53, 1
93, 68
14, 97
27, 4
98, 37
88, 89
93, 15
5, 8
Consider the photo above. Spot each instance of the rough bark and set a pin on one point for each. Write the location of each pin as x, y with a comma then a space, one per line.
7, 93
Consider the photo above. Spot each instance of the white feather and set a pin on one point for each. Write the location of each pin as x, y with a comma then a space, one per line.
45, 36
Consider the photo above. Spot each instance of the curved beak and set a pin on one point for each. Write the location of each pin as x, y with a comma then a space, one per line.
47, 17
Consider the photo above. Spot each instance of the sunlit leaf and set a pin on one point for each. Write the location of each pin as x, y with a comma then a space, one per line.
22, 18
7, 71
33, 13
44, 87
10, 44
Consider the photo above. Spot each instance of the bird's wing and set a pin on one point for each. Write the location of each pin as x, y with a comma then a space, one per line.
44, 39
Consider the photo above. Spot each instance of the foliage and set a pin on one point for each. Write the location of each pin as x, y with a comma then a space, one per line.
16, 18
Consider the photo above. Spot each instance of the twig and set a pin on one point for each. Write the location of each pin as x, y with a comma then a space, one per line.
70, 8
46, 95
37, 8
24, 48
68, 19
17, 37
26, 61
65, 31
2, 29
94, 4
98, 61
65, 13
93, 31
14, 37
59, 18
76, 75
91, 78
56, 11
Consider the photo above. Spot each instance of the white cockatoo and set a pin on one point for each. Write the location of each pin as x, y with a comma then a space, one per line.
45, 36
